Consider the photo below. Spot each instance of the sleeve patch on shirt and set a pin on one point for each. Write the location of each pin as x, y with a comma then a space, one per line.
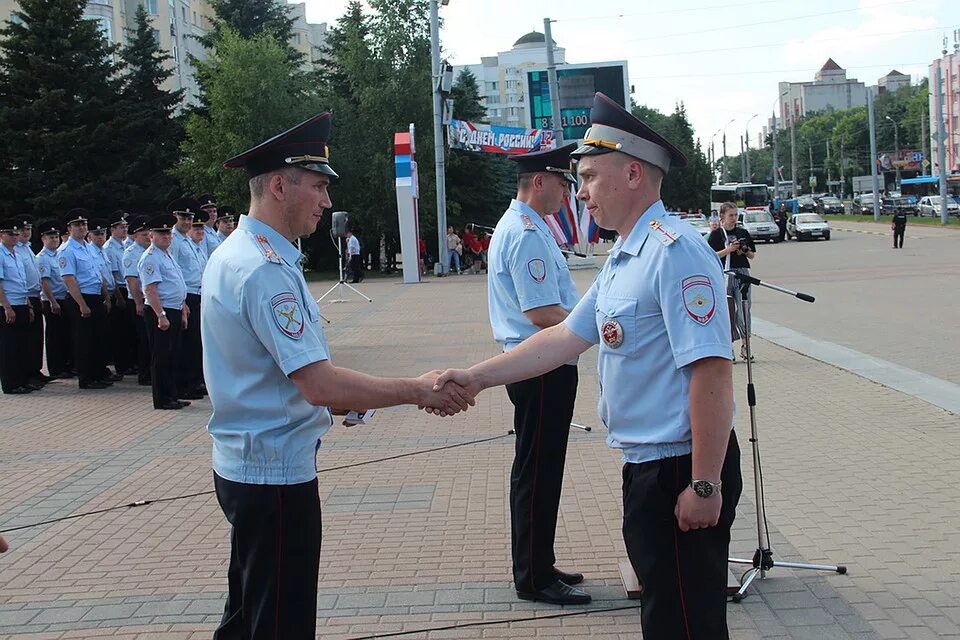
699, 299
43, 269
127, 262
537, 270
288, 314
148, 269
63, 262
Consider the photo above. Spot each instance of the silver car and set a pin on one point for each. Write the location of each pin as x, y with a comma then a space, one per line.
760, 224
807, 226
931, 206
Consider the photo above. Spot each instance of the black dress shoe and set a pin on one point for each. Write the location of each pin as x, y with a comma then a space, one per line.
170, 405
557, 593
144, 382
18, 391
568, 578
96, 384
105, 383
113, 377
191, 395
183, 403
33, 386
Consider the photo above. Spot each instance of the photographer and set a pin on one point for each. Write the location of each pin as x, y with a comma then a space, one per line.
735, 249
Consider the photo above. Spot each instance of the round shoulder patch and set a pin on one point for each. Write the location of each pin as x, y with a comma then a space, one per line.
698, 298
127, 262
148, 268
288, 314
63, 262
537, 270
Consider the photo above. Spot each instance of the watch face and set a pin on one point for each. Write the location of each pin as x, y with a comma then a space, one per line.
703, 488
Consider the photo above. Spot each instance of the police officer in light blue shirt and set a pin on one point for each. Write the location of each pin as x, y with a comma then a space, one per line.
271, 381
122, 331
85, 306
34, 349
211, 240
166, 312
53, 294
140, 235
529, 289
17, 314
192, 260
666, 391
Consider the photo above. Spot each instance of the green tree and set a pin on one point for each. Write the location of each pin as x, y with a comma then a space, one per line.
253, 92
58, 111
251, 18
150, 126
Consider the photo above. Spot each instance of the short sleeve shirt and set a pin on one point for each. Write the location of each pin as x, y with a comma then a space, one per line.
211, 240
353, 246
12, 276
104, 261
656, 307
157, 266
74, 259
526, 270
190, 258
130, 263
259, 324
50, 271
114, 249
30, 268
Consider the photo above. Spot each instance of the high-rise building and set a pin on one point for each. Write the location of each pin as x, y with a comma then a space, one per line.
177, 25
830, 89
949, 89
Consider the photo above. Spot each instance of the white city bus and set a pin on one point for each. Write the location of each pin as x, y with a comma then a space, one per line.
748, 197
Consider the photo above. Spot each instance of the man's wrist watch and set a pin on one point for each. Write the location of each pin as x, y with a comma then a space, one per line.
705, 488
163, 313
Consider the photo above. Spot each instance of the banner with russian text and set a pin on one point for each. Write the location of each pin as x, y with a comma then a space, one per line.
492, 138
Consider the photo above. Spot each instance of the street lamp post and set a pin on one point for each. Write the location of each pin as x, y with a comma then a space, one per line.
439, 151
896, 149
713, 158
723, 169
746, 137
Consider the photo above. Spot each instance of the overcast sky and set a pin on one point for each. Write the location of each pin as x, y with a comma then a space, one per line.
722, 58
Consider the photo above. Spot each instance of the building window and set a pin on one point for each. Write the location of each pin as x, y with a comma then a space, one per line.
296, 38
152, 8
183, 11
156, 36
175, 52
194, 18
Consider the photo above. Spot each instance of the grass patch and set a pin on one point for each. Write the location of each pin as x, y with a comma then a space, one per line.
885, 220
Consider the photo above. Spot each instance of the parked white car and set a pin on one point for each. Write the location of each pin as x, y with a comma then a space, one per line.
807, 226
930, 206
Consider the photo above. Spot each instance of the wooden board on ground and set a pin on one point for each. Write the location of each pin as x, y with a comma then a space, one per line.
630, 582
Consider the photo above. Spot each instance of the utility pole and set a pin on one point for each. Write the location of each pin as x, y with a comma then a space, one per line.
923, 142
793, 153
828, 166
438, 147
809, 181
746, 138
776, 173
556, 118
873, 155
941, 137
743, 166
723, 168
843, 180
896, 149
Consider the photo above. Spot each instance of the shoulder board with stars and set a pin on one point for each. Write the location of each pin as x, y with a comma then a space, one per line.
665, 234
150, 250
527, 222
268, 251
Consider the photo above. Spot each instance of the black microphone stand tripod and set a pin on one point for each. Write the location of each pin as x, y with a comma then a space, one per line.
762, 560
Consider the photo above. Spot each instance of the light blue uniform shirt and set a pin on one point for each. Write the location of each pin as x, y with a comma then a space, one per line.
259, 323
526, 270
30, 269
75, 259
50, 270
158, 266
114, 249
129, 242
12, 276
661, 295
211, 240
189, 257
104, 262
130, 263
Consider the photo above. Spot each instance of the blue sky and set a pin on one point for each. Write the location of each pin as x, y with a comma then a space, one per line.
723, 59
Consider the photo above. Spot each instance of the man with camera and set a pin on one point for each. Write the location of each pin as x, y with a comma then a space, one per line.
735, 249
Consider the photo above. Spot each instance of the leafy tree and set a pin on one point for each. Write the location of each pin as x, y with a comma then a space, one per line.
251, 18
254, 92
150, 126
58, 111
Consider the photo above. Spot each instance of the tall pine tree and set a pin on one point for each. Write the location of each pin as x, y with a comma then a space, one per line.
58, 111
252, 18
150, 127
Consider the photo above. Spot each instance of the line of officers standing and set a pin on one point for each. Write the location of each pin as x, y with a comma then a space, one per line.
131, 300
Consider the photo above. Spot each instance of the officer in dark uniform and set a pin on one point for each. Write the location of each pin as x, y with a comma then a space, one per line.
899, 226
530, 289
165, 314
82, 274
17, 315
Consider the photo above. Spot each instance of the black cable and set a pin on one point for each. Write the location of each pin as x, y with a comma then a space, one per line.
143, 503
485, 623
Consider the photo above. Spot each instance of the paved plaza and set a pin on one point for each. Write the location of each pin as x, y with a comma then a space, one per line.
857, 472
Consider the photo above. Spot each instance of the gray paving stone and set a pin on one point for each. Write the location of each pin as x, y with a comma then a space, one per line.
169, 608
204, 607
110, 612
60, 614
361, 600
11, 618
411, 598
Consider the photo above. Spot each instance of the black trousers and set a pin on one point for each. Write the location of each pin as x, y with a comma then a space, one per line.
164, 354
274, 560
898, 235
86, 334
356, 268
142, 343
57, 336
683, 576
191, 352
543, 409
13, 345
123, 337
34, 349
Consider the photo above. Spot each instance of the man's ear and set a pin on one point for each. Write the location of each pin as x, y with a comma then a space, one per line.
277, 185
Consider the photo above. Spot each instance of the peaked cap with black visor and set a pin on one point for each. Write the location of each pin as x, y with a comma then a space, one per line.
612, 128
304, 146
550, 161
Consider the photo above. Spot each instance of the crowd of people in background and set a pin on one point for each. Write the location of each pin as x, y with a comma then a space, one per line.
467, 253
